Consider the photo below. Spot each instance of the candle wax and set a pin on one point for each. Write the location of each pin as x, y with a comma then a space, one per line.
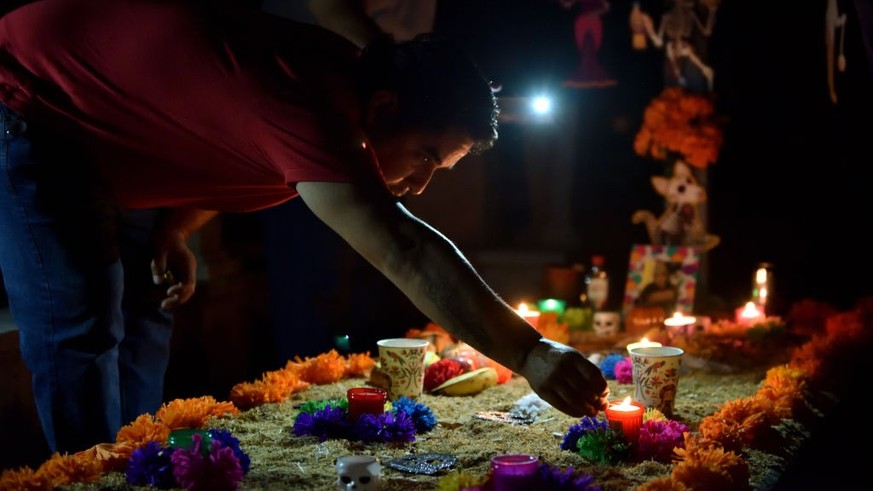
366, 400
627, 417
514, 472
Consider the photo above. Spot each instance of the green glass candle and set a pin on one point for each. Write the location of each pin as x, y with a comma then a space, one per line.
184, 438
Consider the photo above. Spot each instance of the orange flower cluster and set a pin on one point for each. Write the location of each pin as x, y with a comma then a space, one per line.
711, 460
683, 123
278, 385
89, 465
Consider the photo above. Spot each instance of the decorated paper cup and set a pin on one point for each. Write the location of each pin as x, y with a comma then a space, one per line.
656, 376
402, 362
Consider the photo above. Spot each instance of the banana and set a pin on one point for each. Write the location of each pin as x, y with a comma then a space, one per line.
470, 383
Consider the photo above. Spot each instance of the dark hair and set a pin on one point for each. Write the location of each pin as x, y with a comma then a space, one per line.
438, 86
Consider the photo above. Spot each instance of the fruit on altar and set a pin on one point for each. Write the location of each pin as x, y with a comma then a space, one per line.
469, 383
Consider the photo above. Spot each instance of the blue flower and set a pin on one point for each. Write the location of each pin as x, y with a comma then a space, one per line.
421, 414
607, 366
585, 425
150, 465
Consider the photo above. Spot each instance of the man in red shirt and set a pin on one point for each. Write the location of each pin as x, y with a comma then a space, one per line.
128, 124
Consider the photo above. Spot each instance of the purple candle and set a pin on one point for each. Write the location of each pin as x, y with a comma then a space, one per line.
514, 472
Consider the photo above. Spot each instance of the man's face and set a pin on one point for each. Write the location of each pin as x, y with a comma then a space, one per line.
409, 158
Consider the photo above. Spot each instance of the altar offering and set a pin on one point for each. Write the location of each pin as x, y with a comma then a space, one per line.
402, 362
656, 376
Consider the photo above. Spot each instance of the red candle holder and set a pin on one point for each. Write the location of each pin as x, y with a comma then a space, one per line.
514, 472
626, 416
366, 400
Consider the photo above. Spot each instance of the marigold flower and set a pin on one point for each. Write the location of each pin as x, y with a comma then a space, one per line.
63, 469
24, 479
193, 412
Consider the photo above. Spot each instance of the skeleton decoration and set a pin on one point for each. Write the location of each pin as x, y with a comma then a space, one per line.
606, 324
676, 34
360, 472
834, 21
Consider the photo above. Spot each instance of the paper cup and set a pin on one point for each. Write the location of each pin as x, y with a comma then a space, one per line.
402, 361
656, 376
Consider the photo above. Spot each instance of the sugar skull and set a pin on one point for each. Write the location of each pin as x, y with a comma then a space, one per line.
358, 472
606, 323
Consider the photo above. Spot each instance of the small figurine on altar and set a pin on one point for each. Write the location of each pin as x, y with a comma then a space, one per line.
680, 223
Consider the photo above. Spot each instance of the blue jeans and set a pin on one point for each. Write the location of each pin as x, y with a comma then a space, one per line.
76, 271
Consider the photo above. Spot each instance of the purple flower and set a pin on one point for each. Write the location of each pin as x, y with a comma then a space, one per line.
576, 431
385, 427
555, 479
325, 423
220, 470
658, 439
421, 415
232, 442
624, 371
150, 465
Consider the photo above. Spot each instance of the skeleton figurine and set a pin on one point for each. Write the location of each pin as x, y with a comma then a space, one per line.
606, 324
677, 26
359, 472
834, 20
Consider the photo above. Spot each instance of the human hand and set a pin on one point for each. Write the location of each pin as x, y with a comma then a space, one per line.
564, 378
174, 265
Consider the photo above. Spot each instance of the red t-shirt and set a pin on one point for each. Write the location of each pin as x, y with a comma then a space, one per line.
188, 106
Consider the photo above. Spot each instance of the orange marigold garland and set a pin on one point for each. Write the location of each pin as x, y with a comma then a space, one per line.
24, 479
683, 123
193, 412
63, 469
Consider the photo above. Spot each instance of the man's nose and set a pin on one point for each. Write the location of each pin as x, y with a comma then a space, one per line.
418, 181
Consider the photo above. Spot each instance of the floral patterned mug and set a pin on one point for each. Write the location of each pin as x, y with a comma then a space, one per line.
656, 376
402, 361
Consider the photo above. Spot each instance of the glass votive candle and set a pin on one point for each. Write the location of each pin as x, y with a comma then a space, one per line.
514, 472
366, 400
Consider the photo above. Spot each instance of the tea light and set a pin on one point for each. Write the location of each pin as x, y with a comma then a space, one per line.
643, 343
184, 438
514, 472
750, 314
679, 320
552, 305
531, 316
366, 400
626, 416
680, 324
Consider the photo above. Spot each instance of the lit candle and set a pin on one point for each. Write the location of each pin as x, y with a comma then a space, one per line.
552, 305
366, 400
626, 416
679, 324
750, 314
679, 320
514, 472
531, 316
643, 343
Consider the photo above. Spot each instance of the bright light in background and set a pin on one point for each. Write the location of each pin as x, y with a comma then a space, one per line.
541, 105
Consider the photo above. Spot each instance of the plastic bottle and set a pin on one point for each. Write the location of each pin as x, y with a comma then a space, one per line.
597, 283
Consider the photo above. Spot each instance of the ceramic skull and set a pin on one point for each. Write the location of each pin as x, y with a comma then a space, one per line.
606, 323
359, 472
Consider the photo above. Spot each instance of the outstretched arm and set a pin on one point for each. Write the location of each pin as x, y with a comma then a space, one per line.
439, 280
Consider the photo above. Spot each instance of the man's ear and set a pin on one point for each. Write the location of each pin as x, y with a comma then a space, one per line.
381, 107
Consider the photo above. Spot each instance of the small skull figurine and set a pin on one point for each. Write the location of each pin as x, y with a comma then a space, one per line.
358, 472
606, 323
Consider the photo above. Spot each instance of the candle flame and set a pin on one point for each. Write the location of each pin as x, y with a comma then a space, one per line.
626, 401
761, 276
750, 311
522, 308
